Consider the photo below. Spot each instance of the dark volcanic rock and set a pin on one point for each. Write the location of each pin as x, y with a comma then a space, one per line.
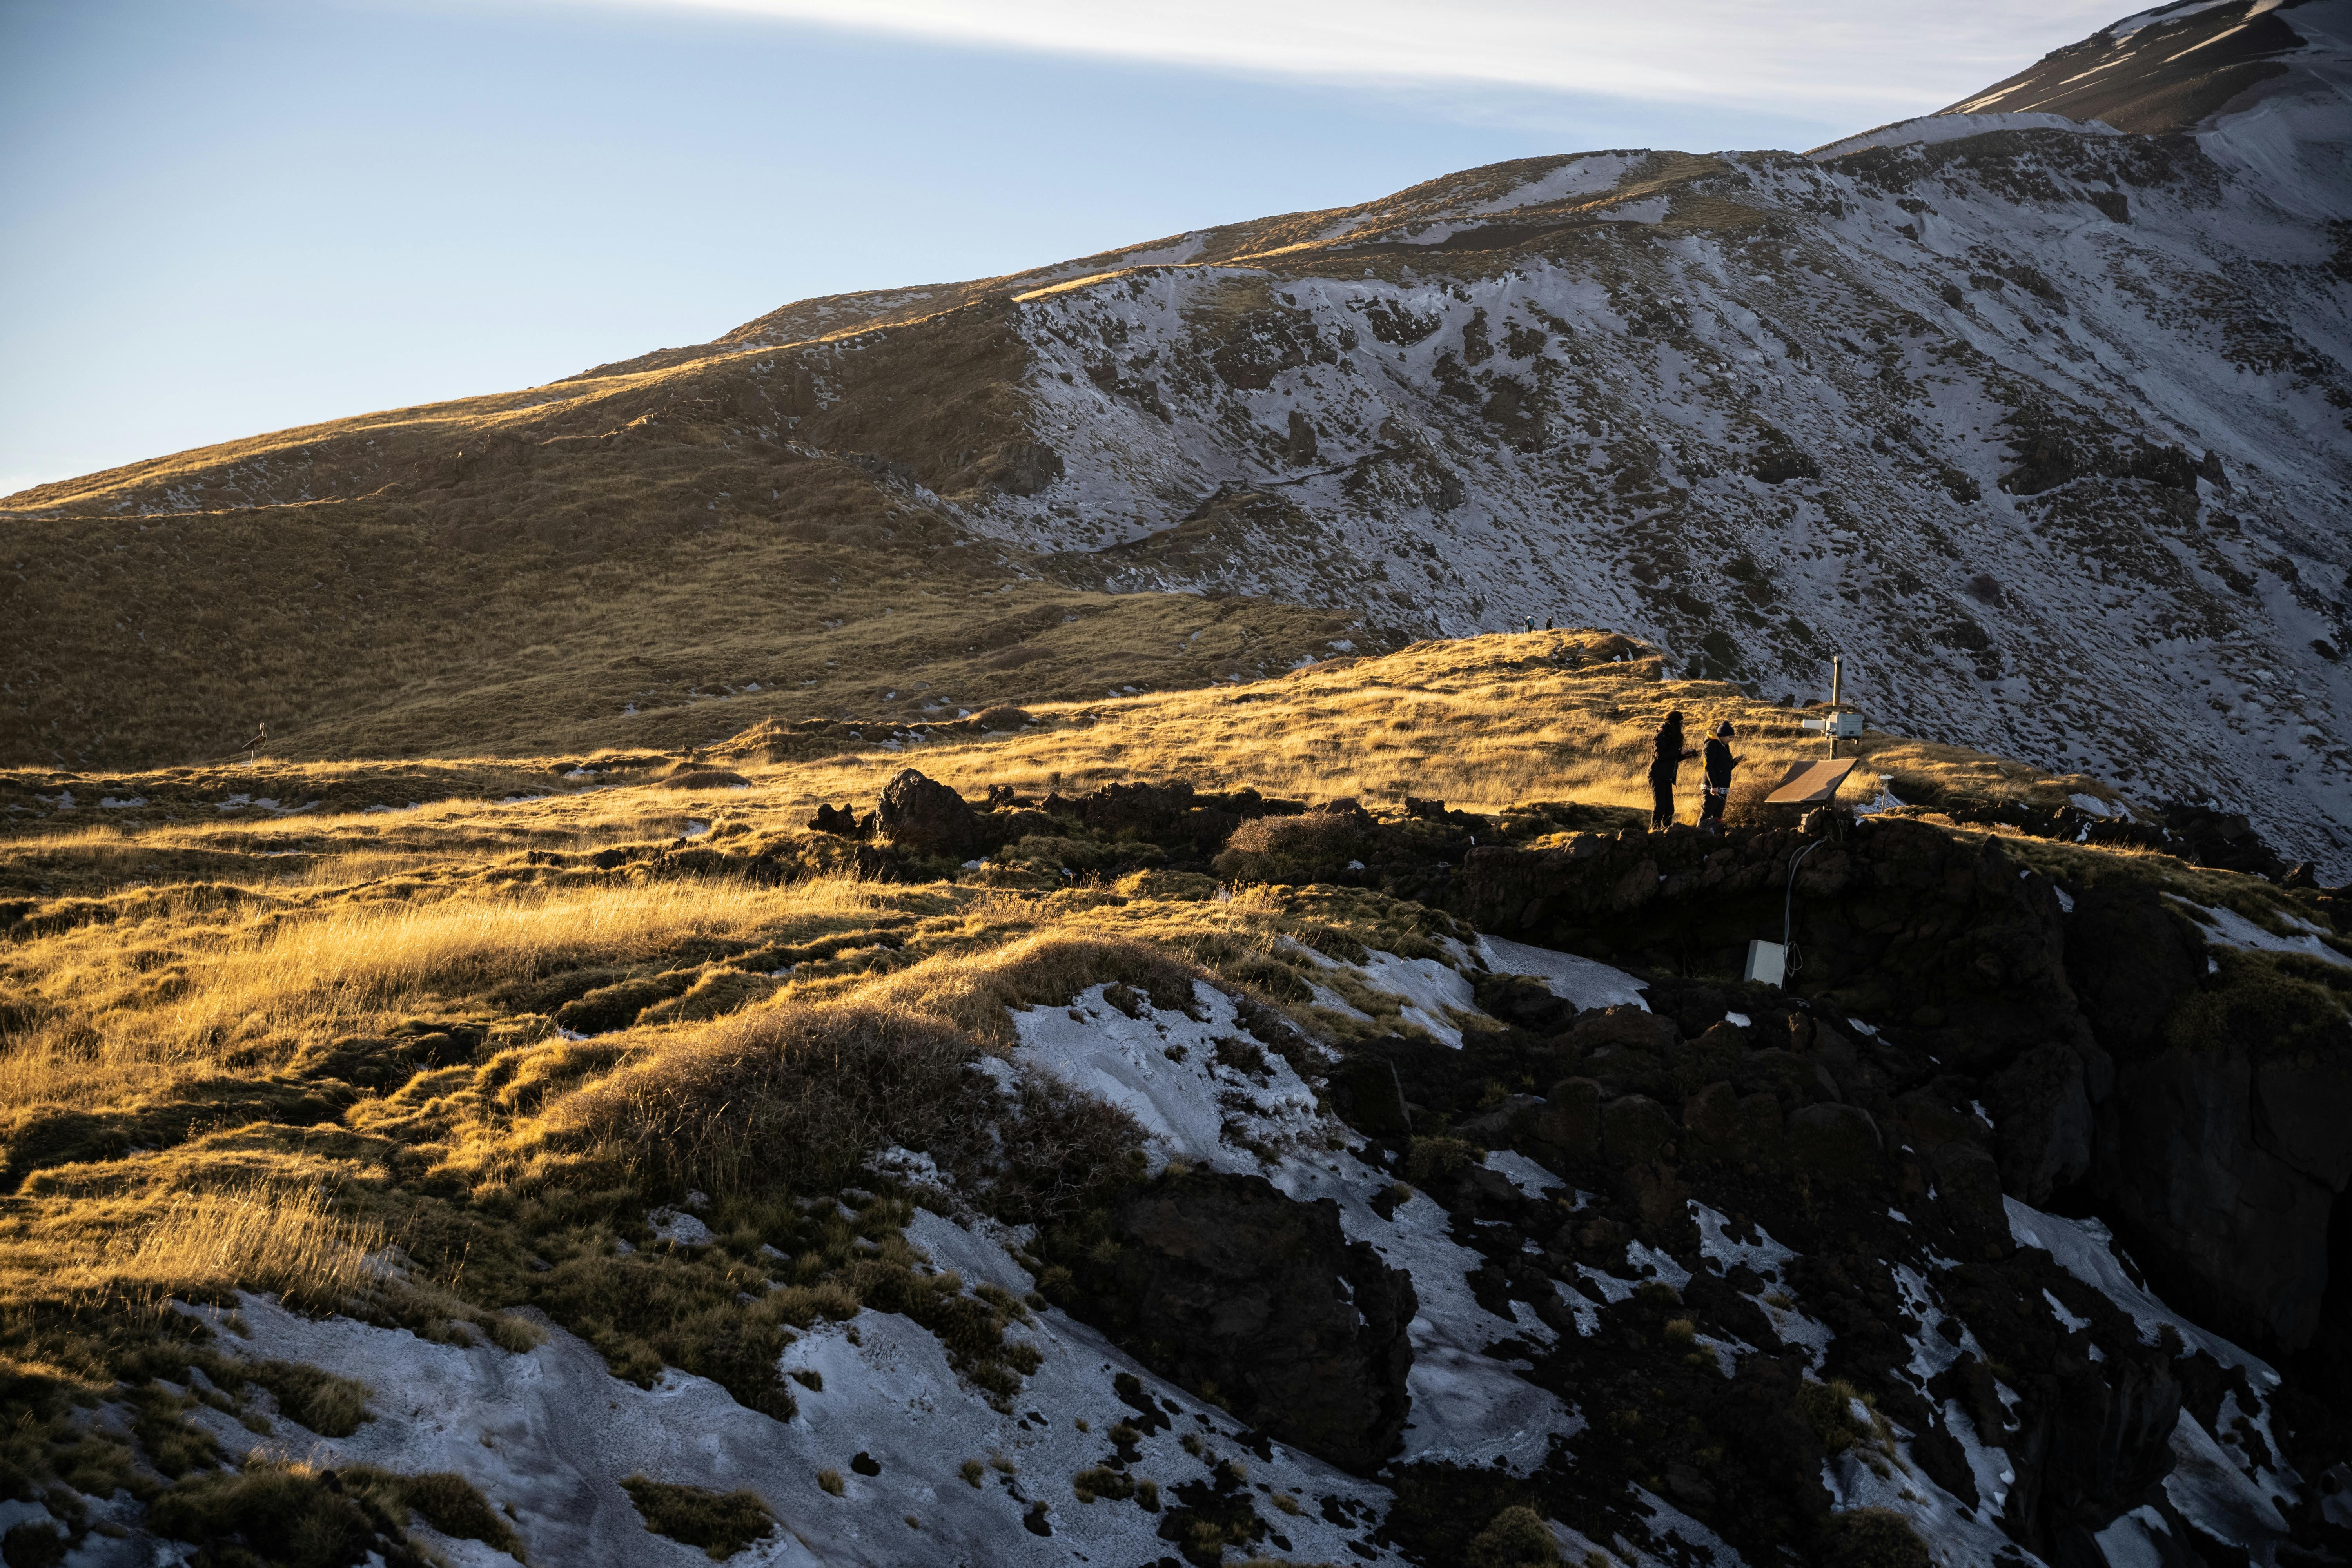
2235, 1233
918, 814
2130, 957
1224, 1283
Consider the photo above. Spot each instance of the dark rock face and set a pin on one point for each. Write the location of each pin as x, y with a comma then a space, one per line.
2236, 1231
2099, 1439
918, 814
2041, 1117
1227, 1285
2220, 1151
2193, 1100
1895, 920
2130, 958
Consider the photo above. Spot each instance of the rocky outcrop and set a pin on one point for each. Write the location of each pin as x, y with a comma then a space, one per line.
1238, 1293
928, 818
1892, 919
2193, 1094
2221, 1153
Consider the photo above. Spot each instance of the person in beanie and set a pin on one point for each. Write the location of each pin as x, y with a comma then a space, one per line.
1667, 756
1718, 785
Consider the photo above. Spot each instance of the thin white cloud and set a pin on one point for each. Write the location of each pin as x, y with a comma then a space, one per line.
1814, 57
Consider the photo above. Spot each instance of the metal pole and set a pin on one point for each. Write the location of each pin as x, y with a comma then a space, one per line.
1837, 684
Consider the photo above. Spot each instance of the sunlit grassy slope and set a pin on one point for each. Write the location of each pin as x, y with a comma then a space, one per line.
428, 1064
658, 558
1479, 722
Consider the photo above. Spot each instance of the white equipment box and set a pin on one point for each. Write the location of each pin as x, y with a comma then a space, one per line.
1768, 962
1837, 726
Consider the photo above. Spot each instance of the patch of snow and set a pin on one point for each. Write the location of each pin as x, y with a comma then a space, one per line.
1162, 1068
1531, 1179
1428, 989
2083, 1249
1671, 1523
1740, 1019
1587, 176
1765, 1256
2130, 1541
551, 1432
108, 802
2211, 1488
2074, 1324
2231, 929
1467, 1407
1586, 982
2090, 803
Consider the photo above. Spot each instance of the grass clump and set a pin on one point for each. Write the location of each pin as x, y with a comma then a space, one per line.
1431, 1160
1102, 1481
294, 1515
1517, 1538
830, 1481
329, 1405
1828, 1409
721, 1523
1872, 1537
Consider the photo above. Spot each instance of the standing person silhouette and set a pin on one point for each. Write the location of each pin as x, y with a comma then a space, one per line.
1668, 755
1719, 763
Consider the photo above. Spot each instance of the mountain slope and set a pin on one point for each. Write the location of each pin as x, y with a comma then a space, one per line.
2041, 424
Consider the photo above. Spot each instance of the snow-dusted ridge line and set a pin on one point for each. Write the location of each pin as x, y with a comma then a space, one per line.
1928, 130
1581, 433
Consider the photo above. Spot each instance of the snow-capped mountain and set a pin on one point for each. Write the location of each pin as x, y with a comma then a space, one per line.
2035, 410
2041, 421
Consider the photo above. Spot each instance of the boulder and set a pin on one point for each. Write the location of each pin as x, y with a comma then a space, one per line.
1634, 1131
1569, 1118
2104, 1436
836, 819
919, 815
1370, 1097
1833, 1144
1721, 1126
1224, 1284
1968, 1190
1796, 1079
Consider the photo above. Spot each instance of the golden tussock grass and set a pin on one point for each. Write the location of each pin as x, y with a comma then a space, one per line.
254, 1236
347, 966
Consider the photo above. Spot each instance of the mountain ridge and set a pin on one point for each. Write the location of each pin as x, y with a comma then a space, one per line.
1995, 412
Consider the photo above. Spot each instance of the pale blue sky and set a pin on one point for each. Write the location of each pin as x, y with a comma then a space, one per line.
224, 216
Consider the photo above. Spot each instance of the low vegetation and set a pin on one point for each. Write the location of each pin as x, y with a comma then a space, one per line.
431, 1066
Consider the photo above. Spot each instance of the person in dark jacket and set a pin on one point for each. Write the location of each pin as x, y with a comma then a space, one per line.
1668, 755
1718, 787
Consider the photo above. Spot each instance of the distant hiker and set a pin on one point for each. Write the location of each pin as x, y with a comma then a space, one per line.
1546, 623
1718, 785
1667, 756
1531, 623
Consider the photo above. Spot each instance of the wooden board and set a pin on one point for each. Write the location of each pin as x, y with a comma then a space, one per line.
1811, 784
